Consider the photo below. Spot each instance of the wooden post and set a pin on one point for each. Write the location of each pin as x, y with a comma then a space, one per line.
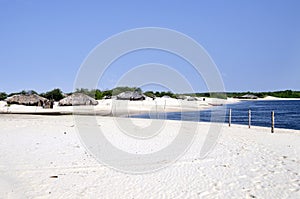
229, 117
156, 110
249, 118
272, 121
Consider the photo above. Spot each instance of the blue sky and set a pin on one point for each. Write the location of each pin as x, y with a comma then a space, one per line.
255, 44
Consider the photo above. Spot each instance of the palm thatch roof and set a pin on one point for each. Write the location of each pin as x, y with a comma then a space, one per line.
28, 100
191, 99
77, 99
129, 95
182, 97
248, 96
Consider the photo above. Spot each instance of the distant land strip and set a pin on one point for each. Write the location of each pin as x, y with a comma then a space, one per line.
57, 94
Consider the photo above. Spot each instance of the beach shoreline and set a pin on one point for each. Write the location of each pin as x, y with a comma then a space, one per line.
124, 108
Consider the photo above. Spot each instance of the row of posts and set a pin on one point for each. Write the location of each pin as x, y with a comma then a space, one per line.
249, 119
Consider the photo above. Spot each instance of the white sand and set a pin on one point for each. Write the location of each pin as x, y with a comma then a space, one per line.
245, 163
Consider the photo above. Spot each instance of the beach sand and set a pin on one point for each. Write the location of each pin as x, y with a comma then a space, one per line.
43, 157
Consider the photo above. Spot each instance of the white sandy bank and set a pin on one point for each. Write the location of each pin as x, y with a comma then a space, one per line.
42, 157
119, 107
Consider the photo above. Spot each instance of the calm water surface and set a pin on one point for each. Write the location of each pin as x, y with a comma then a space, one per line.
287, 114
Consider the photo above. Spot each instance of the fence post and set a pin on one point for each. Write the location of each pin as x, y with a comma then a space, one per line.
156, 110
272, 121
249, 118
229, 117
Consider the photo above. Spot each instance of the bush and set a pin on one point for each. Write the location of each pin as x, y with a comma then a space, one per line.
149, 94
218, 95
163, 93
55, 94
3, 96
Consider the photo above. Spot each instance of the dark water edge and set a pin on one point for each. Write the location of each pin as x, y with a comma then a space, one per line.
287, 114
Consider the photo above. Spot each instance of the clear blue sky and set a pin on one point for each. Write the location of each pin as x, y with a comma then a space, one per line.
255, 44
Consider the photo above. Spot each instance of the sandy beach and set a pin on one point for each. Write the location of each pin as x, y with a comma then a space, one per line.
150, 99
43, 157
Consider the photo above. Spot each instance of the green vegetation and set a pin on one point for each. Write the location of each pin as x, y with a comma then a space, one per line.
94, 93
97, 94
163, 93
160, 94
3, 95
285, 94
150, 94
280, 94
107, 93
56, 94
213, 95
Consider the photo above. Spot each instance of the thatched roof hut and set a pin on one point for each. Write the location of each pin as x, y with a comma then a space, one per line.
28, 100
182, 97
248, 96
77, 99
192, 98
129, 95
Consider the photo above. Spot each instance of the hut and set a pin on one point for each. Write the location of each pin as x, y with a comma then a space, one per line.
77, 99
129, 95
192, 98
248, 96
182, 97
28, 100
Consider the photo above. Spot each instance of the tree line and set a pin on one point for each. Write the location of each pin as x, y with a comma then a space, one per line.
57, 94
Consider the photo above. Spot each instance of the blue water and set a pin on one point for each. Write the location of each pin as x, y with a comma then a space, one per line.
287, 114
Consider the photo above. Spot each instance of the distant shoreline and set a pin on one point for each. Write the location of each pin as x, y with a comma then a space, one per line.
129, 108
273, 98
